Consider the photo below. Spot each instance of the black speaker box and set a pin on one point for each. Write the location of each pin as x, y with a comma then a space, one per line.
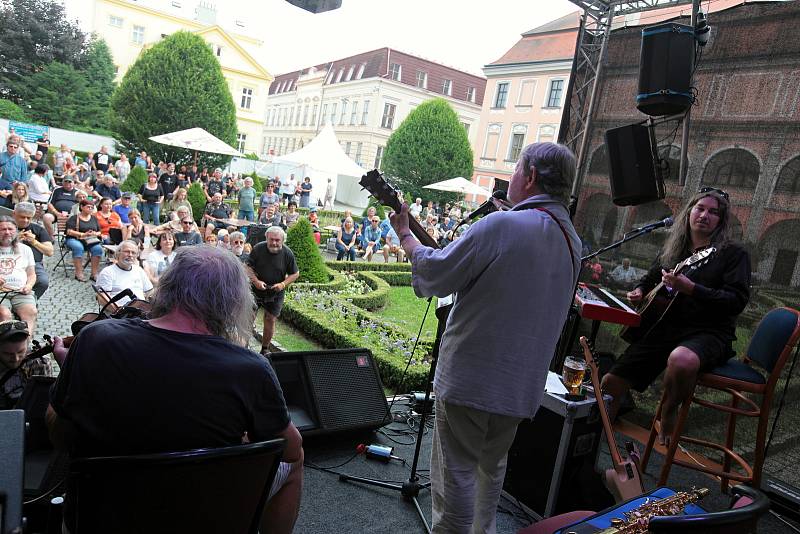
12, 445
631, 167
332, 391
665, 69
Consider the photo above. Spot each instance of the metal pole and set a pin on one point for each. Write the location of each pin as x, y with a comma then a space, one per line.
684, 168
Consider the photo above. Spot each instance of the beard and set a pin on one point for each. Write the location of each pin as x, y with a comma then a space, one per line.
237, 249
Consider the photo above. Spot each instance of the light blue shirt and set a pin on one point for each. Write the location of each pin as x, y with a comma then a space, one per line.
13, 168
513, 280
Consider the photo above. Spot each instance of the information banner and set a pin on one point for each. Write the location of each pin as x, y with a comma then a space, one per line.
29, 132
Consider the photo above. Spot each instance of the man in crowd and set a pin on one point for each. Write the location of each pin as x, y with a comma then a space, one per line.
61, 202
201, 319
214, 185
272, 268
13, 348
215, 210
43, 144
513, 276
123, 168
288, 187
123, 209
272, 216
39, 241
102, 160
188, 235
237, 246
624, 275
125, 274
392, 246
169, 181
17, 276
62, 160
13, 167
107, 188
415, 210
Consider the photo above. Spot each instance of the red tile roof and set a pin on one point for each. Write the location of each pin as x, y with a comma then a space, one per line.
552, 41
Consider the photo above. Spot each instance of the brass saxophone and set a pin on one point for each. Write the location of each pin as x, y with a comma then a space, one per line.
636, 521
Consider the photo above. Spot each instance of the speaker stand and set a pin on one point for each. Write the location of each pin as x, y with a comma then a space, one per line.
410, 489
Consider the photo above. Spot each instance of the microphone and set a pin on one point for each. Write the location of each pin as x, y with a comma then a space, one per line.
488, 206
665, 223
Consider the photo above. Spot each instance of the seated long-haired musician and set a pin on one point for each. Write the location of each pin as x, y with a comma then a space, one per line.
696, 331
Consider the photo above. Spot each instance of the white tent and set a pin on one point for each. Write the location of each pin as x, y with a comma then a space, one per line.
459, 185
323, 158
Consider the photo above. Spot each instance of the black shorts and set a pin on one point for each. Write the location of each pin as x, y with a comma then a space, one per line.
643, 361
272, 306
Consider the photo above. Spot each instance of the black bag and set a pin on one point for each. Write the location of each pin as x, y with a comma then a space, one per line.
89, 242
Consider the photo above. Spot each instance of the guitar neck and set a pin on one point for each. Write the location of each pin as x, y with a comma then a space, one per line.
420, 233
616, 457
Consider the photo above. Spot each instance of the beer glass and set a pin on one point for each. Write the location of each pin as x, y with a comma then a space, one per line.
573, 373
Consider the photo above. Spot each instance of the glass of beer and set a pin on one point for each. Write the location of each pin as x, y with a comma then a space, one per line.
573, 373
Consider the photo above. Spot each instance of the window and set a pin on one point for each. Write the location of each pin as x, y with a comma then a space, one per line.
501, 96
378, 157
447, 87
360, 72
344, 112
297, 117
394, 71
115, 21
526, 90
359, 146
514, 149
547, 134
365, 112
734, 167
466, 127
324, 114
789, 178
350, 73
354, 113
347, 147
247, 98
241, 140
422, 79
305, 115
387, 121
554, 94
333, 112
137, 35
471, 94
218, 50
314, 115
492, 139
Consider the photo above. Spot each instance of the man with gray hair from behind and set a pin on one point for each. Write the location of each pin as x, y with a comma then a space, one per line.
196, 384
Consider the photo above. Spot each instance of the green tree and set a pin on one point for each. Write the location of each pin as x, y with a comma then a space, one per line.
431, 145
300, 239
258, 185
379, 211
99, 75
35, 33
9, 110
135, 180
175, 85
197, 198
54, 95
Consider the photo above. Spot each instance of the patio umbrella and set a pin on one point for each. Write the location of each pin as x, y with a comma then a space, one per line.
196, 139
459, 185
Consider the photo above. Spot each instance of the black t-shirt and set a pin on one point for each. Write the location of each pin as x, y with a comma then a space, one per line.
62, 199
222, 211
43, 145
75, 223
187, 238
214, 187
271, 268
102, 161
131, 388
169, 183
151, 196
41, 236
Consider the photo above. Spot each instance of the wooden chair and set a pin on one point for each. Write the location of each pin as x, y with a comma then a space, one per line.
770, 347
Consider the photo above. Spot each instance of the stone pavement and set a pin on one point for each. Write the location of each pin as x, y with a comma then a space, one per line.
65, 300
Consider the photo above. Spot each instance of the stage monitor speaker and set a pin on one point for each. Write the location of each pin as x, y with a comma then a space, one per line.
332, 391
631, 167
500, 185
317, 6
665, 69
12, 445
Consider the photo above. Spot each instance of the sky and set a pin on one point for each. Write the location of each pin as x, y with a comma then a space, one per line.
465, 34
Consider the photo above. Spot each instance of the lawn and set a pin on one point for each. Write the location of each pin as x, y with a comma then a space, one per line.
288, 337
406, 310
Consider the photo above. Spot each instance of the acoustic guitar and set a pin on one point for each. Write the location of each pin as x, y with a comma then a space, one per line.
656, 303
624, 480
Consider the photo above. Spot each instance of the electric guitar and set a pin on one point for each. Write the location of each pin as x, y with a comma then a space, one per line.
624, 480
656, 304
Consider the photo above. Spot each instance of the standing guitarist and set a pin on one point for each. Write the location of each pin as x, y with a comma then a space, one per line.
696, 331
513, 275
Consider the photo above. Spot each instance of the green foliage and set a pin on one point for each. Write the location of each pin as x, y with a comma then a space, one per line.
99, 75
300, 240
258, 185
369, 266
197, 198
135, 180
175, 85
379, 211
54, 95
35, 33
374, 299
252, 156
431, 145
9, 110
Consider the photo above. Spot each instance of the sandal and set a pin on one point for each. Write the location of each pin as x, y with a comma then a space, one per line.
92, 278
80, 278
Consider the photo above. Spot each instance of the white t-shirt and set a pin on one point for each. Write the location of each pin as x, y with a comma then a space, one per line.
14, 265
38, 189
112, 280
415, 209
158, 262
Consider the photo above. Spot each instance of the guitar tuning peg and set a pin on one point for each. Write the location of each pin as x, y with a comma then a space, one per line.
35, 344
47, 338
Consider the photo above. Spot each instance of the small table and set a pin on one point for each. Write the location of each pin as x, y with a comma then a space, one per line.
238, 223
333, 229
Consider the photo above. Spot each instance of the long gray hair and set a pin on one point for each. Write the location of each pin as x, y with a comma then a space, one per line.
7, 219
555, 167
211, 285
678, 245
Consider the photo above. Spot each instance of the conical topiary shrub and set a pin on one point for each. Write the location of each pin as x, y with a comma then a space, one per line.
300, 240
135, 180
197, 199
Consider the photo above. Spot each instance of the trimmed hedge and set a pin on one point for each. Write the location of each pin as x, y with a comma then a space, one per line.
395, 278
337, 282
368, 266
375, 299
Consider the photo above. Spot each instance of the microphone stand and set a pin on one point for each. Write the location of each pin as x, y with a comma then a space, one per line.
633, 234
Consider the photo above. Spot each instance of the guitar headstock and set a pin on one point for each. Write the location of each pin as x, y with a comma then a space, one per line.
697, 259
379, 188
589, 355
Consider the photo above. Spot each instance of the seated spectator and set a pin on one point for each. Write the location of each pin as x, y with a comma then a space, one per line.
247, 197
211, 240
415, 209
17, 277
106, 187
313, 218
61, 203
346, 241
271, 216
455, 212
83, 234
179, 199
108, 220
175, 224
123, 209
125, 274
365, 223
83, 177
372, 238
19, 192
238, 246
14, 338
392, 246
39, 241
428, 209
268, 198
136, 231
188, 235
123, 168
80, 194
431, 231
624, 275
161, 258
223, 239
216, 210
291, 215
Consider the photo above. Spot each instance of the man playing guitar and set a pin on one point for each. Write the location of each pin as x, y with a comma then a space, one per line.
694, 332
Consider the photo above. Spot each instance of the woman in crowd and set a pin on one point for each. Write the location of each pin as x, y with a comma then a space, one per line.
268, 198
313, 218
305, 192
247, 199
161, 258
136, 231
291, 215
223, 239
79, 195
151, 195
346, 241
151, 167
179, 198
20, 194
108, 220
211, 240
83, 233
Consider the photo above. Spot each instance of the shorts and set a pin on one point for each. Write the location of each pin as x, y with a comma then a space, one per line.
12, 301
643, 361
273, 307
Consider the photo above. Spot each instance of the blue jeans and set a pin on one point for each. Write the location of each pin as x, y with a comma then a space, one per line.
247, 215
77, 248
351, 254
149, 209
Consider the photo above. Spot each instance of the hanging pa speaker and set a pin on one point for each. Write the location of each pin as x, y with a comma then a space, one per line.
331, 391
665, 69
632, 170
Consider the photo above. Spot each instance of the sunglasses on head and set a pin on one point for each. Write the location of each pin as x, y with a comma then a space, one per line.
714, 190
5, 326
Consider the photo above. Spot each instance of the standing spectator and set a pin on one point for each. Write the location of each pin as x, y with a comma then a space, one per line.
305, 192
90, 163
62, 160
168, 181
141, 160
43, 145
346, 241
272, 267
288, 187
268, 198
372, 238
151, 195
180, 198
102, 160
83, 233
161, 258
328, 202
123, 209
415, 210
17, 276
247, 198
123, 168
39, 241
428, 209
214, 185
192, 174
13, 166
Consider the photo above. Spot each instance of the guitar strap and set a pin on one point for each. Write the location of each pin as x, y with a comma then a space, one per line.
564, 233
